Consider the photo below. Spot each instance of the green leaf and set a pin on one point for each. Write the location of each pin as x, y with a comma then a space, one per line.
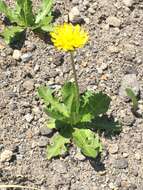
106, 124
133, 98
44, 11
48, 28
11, 33
70, 99
24, 7
55, 106
45, 24
87, 141
57, 146
94, 104
9, 13
51, 123
54, 113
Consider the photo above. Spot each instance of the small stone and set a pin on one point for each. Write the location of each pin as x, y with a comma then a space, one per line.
59, 167
75, 2
36, 68
58, 59
8, 51
16, 54
45, 131
121, 163
1, 146
137, 156
128, 3
26, 57
113, 149
102, 68
135, 172
87, 20
79, 156
129, 81
125, 155
112, 186
6, 156
132, 186
30, 46
113, 21
74, 16
28, 85
43, 141
29, 117
113, 49
127, 117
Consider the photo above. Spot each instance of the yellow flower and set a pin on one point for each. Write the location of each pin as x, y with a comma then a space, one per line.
69, 37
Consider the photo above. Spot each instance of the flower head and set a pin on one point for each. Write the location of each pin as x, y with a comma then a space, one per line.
69, 37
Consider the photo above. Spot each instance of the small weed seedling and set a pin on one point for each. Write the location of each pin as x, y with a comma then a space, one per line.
77, 118
133, 98
22, 18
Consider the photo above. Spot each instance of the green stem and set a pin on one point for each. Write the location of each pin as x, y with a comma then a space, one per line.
74, 73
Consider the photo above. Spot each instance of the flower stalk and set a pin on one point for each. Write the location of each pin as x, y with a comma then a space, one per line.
74, 73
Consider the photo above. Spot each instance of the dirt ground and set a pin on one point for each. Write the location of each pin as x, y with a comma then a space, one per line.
112, 59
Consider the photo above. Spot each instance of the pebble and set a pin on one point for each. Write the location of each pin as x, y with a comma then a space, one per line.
113, 21
6, 156
74, 16
45, 131
113, 149
1, 146
58, 59
121, 163
60, 167
36, 68
129, 81
128, 3
75, 2
127, 117
137, 156
26, 57
79, 156
16, 54
125, 155
28, 85
29, 117
102, 68
43, 141
132, 186
30, 46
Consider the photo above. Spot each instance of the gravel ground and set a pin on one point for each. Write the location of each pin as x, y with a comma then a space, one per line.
112, 60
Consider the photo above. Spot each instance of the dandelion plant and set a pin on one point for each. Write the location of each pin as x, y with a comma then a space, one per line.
76, 117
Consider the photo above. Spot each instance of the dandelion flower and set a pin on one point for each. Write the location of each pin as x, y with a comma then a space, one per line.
69, 37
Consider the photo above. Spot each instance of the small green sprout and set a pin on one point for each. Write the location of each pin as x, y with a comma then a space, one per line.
22, 17
133, 98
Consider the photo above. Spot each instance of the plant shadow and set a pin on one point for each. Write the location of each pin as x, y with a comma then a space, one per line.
97, 164
18, 41
107, 125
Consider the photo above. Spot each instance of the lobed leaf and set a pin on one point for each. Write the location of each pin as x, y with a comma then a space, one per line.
87, 141
9, 13
44, 11
24, 8
57, 146
55, 107
10, 33
93, 105
70, 99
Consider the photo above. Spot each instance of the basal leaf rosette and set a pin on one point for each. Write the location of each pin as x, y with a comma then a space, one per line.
68, 37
